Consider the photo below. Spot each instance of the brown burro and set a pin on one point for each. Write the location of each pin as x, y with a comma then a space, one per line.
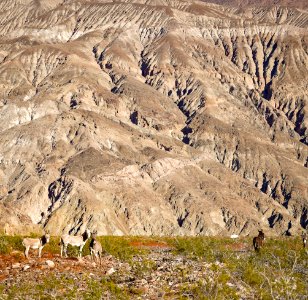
96, 249
258, 241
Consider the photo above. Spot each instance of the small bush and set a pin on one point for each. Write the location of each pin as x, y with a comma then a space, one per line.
10, 243
120, 247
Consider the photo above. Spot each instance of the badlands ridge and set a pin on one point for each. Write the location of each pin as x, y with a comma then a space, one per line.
162, 117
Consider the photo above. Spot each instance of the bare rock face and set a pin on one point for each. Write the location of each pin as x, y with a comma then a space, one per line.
153, 117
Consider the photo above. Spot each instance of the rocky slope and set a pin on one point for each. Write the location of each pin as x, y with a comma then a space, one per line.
153, 117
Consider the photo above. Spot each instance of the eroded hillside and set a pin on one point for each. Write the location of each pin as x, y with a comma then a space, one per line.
153, 117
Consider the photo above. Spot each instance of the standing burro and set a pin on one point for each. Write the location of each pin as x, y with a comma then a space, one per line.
76, 240
35, 243
96, 248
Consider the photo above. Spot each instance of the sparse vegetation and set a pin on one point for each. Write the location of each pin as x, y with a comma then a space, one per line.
10, 243
121, 247
223, 269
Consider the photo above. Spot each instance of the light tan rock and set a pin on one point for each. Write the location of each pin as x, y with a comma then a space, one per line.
16, 266
50, 264
26, 267
110, 271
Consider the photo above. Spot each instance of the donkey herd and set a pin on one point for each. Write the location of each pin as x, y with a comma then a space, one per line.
96, 249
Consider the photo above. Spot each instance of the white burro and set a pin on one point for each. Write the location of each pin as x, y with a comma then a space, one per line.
35, 243
74, 240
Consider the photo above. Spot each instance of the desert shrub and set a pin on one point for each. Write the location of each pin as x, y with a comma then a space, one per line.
278, 271
144, 267
193, 246
251, 276
120, 247
10, 243
115, 291
95, 290
210, 249
53, 246
216, 287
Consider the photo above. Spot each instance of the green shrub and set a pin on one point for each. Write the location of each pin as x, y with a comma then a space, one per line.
120, 247
115, 291
251, 276
10, 243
